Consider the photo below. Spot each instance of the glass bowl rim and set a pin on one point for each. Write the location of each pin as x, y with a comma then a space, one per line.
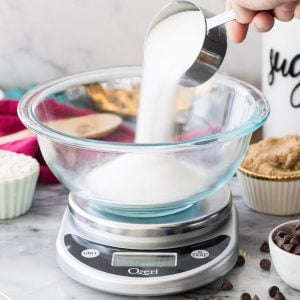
30, 120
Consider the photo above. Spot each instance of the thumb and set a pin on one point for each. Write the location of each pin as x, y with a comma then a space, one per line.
297, 10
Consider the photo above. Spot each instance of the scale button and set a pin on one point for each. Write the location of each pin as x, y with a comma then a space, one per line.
90, 253
200, 254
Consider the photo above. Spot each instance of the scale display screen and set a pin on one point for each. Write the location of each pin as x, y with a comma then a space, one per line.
124, 259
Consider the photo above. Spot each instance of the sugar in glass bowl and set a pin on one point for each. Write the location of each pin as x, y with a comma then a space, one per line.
214, 123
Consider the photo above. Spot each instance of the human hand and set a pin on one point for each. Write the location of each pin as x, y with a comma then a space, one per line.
260, 14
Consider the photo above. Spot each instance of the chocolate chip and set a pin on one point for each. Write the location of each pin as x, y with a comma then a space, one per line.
265, 264
264, 247
296, 250
288, 247
279, 296
255, 298
273, 290
279, 241
240, 261
295, 240
245, 296
226, 285
280, 233
288, 238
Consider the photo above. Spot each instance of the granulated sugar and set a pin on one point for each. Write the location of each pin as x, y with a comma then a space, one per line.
14, 165
171, 49
144, 179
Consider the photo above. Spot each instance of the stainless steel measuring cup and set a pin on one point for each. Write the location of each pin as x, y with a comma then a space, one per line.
214, 45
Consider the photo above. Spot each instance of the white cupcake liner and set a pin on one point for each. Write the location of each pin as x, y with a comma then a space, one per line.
16, 195
270, 196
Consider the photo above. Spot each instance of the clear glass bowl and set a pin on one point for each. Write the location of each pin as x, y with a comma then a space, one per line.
213, 127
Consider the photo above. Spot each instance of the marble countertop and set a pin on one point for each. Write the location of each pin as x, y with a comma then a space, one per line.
28, 268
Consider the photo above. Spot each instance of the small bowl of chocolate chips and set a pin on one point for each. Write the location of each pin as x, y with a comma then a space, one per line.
284, 242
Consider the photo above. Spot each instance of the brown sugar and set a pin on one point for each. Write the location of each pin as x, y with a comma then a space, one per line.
274, 157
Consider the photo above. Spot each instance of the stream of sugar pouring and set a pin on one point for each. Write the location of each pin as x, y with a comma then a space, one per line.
171, 48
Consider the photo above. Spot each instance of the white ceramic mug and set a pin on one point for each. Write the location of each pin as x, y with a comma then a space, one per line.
281, 78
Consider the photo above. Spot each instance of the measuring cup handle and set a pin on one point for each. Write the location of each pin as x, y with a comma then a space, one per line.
220, 19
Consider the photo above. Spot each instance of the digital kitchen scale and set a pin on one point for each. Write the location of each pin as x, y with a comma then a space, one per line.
149, 256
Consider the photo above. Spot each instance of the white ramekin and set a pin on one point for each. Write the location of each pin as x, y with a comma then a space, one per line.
16, 193
286, 264
270, 195
4, 297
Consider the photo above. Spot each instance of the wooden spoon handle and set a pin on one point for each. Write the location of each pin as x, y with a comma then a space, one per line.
15, 136
89, 126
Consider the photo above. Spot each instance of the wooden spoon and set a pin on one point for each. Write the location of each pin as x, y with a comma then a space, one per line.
89, 127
